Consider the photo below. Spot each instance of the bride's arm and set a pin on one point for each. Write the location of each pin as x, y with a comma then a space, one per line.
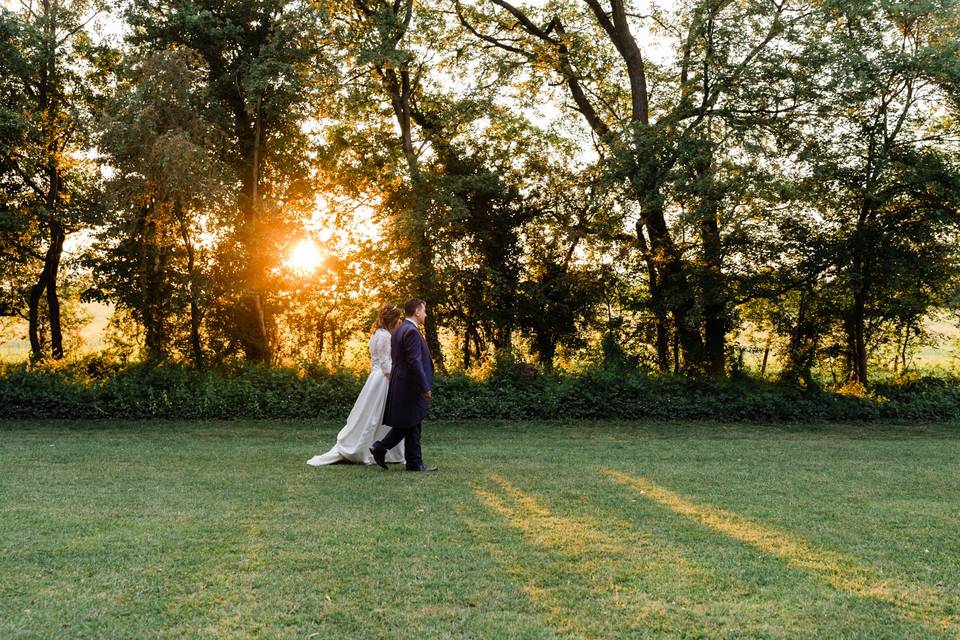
383, 354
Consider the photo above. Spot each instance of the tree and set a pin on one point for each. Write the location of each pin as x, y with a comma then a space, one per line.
877, 171
261, 60
48, 67
165, 184
379, 40
721, 49
485, 185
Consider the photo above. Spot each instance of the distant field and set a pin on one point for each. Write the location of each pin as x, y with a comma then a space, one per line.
529, 530
943, 356
14, 346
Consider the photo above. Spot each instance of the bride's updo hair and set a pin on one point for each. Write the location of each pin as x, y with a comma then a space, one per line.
388, 318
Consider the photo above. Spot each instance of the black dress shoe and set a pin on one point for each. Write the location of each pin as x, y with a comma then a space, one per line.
379, 456
423, 467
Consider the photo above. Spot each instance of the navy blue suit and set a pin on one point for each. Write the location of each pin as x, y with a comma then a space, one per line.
410, 377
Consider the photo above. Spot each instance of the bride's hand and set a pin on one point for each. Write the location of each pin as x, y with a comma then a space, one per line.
388, 375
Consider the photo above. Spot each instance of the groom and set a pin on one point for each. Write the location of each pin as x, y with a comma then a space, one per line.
411, 385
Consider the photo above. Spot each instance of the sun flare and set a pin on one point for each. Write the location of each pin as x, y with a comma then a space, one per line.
304, 257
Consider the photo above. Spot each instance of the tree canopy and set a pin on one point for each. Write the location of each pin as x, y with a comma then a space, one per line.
638, 183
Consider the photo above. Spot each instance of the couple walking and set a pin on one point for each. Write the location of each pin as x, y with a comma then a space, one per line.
385, 422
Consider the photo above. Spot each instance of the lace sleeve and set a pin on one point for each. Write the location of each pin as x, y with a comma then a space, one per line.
383, 353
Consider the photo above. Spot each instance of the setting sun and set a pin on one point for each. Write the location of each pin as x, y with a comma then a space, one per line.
305, 257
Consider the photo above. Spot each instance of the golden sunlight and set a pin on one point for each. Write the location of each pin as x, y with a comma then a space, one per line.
304, 257
930, 606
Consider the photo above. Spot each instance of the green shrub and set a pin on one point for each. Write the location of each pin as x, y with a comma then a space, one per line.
100, 389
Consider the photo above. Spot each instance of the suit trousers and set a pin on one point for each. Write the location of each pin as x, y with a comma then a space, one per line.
411, 444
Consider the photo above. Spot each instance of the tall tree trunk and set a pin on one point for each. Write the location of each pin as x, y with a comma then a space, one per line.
906, 343
673, 288
152, 276
48, 102
766, 355
503, 337
662, 341
855, 320
47, 282
195, 314
715, 334
252, 320
676, 352
33, 316
548, 354
856, 342
803, 343
677, 295
661, 321
712, 281
58, 235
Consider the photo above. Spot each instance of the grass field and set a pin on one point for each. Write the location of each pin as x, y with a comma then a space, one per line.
529, 530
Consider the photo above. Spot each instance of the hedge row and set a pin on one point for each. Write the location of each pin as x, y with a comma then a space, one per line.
141, 392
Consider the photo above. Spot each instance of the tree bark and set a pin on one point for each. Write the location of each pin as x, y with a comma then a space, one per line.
48, 103
661, 320
252, 321
855, 320
152, 265
548, 354
47, 282
33, 316
58, 235
903, 351
195, 313
712, 282
856, 342
766, 355
674, 286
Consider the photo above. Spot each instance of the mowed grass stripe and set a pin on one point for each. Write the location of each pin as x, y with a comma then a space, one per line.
654, 581
555, 617
206, 530
926, 605
624, 584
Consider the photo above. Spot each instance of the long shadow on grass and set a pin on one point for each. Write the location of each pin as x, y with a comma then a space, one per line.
589, 581
600, 575
932, 609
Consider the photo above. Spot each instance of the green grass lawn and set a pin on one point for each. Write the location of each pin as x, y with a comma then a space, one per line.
529, 530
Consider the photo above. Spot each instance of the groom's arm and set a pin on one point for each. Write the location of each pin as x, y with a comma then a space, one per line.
411, 348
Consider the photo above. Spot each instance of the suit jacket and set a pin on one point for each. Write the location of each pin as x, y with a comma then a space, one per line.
411, 377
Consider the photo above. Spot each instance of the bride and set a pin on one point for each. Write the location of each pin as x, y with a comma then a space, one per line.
364, 424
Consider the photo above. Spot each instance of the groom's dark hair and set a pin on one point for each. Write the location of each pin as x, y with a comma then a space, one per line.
410, 306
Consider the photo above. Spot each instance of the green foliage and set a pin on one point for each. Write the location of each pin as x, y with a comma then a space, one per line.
97, 388
260, 74
51, 75
553, 178
92, 388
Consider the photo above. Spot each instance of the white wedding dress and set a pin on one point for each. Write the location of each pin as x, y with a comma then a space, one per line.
365, 422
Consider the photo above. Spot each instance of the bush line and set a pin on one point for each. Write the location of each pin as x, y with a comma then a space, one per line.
175, 392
